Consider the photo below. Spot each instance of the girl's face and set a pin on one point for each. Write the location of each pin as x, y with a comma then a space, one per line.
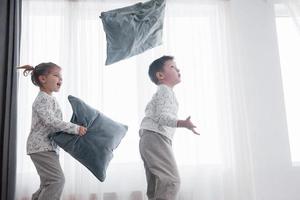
170, 74
52, 81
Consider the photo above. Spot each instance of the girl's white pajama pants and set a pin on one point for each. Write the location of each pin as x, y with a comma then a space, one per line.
51, 175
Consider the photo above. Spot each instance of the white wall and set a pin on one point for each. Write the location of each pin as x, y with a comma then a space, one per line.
274, 176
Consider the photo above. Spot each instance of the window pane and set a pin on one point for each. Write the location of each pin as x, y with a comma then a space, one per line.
289, 48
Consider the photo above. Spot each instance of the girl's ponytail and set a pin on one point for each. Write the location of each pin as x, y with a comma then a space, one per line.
27, 69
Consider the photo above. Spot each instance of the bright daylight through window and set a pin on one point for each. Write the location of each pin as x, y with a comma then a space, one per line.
289, 48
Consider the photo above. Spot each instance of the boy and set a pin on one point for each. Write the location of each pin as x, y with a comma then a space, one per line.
157, 130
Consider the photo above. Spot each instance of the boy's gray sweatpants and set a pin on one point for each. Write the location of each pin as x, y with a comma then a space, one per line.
163, 181
51, 175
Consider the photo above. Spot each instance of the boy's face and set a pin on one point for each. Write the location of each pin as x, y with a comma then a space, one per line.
170, 74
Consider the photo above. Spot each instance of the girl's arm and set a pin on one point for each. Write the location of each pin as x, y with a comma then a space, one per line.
46, 114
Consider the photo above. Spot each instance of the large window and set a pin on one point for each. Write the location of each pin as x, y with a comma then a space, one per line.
289, 48
70, 34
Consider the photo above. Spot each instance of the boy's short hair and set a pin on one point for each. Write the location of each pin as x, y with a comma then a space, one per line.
157, 66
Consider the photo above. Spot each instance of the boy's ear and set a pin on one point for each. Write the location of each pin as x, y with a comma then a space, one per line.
159, 75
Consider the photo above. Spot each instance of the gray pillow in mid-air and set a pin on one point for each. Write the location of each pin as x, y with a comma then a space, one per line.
95, 149
132, 30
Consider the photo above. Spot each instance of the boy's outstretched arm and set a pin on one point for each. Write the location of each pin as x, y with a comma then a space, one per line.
187, 124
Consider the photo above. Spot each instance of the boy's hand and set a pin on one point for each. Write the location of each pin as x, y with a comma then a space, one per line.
187, 124
82, 130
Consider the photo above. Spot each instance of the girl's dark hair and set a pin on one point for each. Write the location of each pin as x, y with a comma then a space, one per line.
40, 69
157, 66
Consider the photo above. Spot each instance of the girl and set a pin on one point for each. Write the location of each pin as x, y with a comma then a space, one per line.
46, 119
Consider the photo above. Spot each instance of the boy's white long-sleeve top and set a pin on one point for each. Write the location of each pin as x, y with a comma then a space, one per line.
161, 112
46, 119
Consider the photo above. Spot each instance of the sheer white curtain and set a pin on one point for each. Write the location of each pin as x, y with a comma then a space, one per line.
213, 166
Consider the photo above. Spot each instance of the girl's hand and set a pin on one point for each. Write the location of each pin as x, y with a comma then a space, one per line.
82, 130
